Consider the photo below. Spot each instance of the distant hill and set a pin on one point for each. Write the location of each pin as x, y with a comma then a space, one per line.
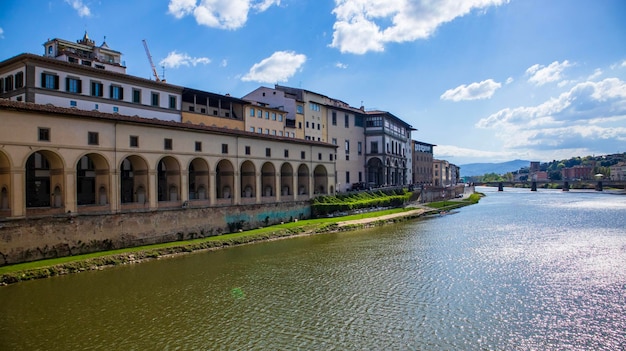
478, 169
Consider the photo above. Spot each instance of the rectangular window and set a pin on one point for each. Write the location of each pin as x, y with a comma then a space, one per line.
334, 118
268, 152
302, 155
307, 124
331, 157
19, 80
259, 113
92, 138
44, 134
247, 150
8, 83
252, 129
136, 96
172, 101
134, 141
251, 112
267, 131
286, 153
334, 141
347, 146
273, 116
167, 144
224, 148
346, 121
319, 156
198, 146
73, 103
280, 117
49, 81
347, 157
359, 147
116, 109
116, 92
73, 85
300, 109
347, 177
96, 89
360, 177
267, 115
374, 147
155, 99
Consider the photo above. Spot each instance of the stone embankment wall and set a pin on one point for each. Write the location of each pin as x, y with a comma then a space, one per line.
31, 239
432, 194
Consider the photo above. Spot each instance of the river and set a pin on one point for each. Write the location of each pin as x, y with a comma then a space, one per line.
521, 270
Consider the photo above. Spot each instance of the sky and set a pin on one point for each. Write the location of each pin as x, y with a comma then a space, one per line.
484, 80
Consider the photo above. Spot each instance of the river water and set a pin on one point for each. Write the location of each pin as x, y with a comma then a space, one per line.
520, 270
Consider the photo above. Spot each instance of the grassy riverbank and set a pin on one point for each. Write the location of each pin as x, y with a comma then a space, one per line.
99, 260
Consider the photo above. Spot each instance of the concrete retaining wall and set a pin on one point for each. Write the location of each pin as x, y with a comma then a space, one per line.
30, 239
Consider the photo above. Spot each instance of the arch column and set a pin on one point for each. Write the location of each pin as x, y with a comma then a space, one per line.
114, 190
258, 187
236, 188
18, 203
294, 185
311, 183
277, 189
70, 190
152, 189
184, 185
212, 191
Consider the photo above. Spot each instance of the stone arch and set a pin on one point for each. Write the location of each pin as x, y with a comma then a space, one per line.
168, 179
320, 179
268, 179
303, 180
92, 180
44, 172
224, 179
247, 175
198, 179
286, 179
134, 180
374, 172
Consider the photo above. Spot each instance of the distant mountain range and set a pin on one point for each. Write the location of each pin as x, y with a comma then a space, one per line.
478, 169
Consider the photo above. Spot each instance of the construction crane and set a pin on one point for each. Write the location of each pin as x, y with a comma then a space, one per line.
154, 71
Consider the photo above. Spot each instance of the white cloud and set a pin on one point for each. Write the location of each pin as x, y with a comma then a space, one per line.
597, 73
474, 91
590, 115
540, 75
224, 63
223, 14
368, 25
82, 9
279, 67
341, 65
1, 33
175, 59
451, 151
509, 80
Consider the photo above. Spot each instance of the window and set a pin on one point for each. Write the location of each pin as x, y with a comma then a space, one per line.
259, 130
136, 96
346, 121
198, 146
268, 152
359, 147
44, 134
319, 156
92, 138
347, 146
331, 157
224, 148
116, 92
73, 85
96, 89
49, 81
374, 147
155, 99
1, 85
259, 113
334, 118
267, 131
8, 83
334, 141
300, 109
173, 101
73, 103
314, 107
267, 115
252, 129
251, 112
167, 144
116, 109
318, 126
286, 153
347, 157
307, 124
134, 141
360, 176
347, 177
299, 125
192, 108
376, 121
247, 150
302, 155
273, 116
19, 80
280, 117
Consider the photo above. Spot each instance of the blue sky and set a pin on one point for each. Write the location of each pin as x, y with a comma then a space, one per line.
485, 80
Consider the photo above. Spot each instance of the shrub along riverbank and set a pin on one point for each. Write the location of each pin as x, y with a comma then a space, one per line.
99, 260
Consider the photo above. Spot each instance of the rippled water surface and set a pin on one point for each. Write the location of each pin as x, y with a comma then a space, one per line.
521, 270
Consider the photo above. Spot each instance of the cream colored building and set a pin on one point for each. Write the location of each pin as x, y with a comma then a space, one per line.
57, 160
618, 171
422, 163
215, 110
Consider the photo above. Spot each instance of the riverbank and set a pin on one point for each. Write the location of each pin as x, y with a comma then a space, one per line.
101, 260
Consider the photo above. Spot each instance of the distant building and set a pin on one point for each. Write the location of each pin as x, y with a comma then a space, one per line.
534, 166
422, 163
618, 171
577, 172
539, 176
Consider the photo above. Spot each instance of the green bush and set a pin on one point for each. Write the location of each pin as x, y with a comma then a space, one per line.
326, 205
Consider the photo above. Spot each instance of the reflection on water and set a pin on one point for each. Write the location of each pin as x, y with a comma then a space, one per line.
519, 271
